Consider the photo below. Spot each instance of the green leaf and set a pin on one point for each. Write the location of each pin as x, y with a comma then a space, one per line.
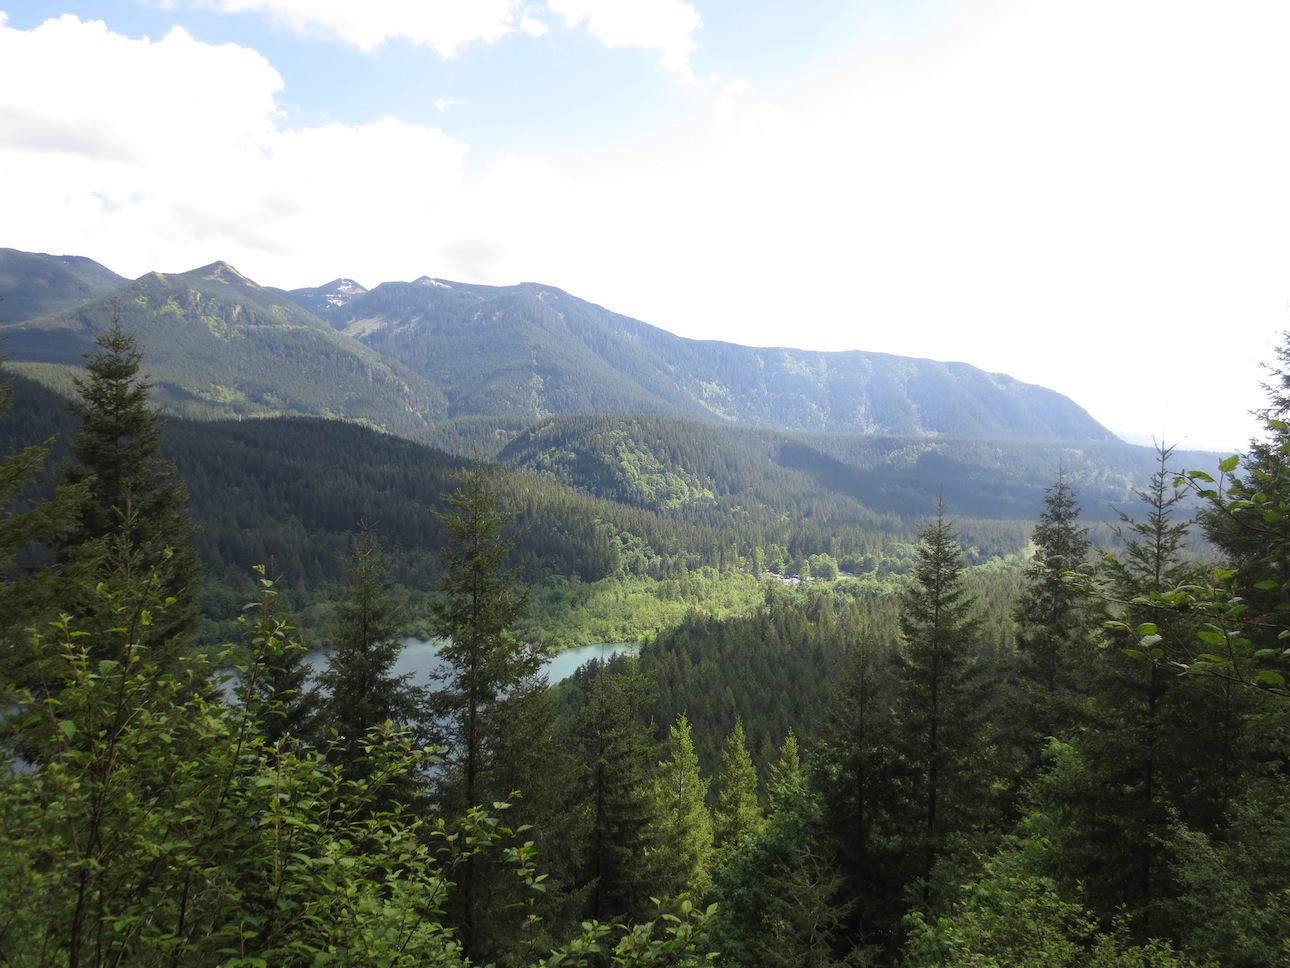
1229, 464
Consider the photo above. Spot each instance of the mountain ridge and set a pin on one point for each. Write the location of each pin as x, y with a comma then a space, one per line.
660, 372
406, 356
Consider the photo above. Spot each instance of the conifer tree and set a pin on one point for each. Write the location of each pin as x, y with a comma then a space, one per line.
785, 773
939, 714
360, 689
781, 898
737, 812
488, 672
1246, 520
1150, 751
135, 522
1052, 613
1059, 629
494, 715
681, 839
857, 776
616, 755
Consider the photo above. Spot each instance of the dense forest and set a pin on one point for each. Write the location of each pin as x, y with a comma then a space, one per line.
849, 737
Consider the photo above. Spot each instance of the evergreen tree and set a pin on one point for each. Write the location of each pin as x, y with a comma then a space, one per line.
785, 773
939, 714
487, 670
1052, 613
135, 521
1153, 749
494, 713
1058, 630
361, 693
616, 754
276, 674
857, 776
781, 900
737, 813
681, 836
1246, 519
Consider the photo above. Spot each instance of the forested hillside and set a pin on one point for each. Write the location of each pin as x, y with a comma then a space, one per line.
406, 356
221, 346
530, 350
597, 501
32, 285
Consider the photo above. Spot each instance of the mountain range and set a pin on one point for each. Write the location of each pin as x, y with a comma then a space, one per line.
418, 358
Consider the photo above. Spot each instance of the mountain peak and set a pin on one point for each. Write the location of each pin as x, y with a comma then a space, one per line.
223, 272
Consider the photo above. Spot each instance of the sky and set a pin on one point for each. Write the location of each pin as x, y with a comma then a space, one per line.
1088, 195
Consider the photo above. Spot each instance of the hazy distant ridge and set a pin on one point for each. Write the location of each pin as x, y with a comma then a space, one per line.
532, 350
405, 356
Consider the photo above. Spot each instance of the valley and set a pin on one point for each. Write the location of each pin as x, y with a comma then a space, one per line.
917, 652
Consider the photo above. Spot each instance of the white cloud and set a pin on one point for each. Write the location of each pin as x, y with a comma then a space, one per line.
169, 155
1088, 196
531, 24
447, 25
442, 25
662, 25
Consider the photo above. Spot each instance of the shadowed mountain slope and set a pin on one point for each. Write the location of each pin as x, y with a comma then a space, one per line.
530, 351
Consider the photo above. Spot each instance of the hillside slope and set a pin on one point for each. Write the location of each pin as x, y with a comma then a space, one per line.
413, 358
530, 351
218, 345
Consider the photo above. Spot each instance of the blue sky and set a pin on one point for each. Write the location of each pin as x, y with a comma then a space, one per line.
1090, 195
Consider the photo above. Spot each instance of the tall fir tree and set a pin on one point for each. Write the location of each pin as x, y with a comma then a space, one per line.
488, 672
616, 755
1156, 751
785, 773
494, 714
737, 812
680, 852
1052, 612
857, 777
781, 898
360, 690
135, 522
939, 717
1058, 630
1245, 518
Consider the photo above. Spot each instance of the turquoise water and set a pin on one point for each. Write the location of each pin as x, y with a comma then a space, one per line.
420, 657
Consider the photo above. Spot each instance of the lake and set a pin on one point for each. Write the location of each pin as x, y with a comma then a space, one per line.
420, 657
